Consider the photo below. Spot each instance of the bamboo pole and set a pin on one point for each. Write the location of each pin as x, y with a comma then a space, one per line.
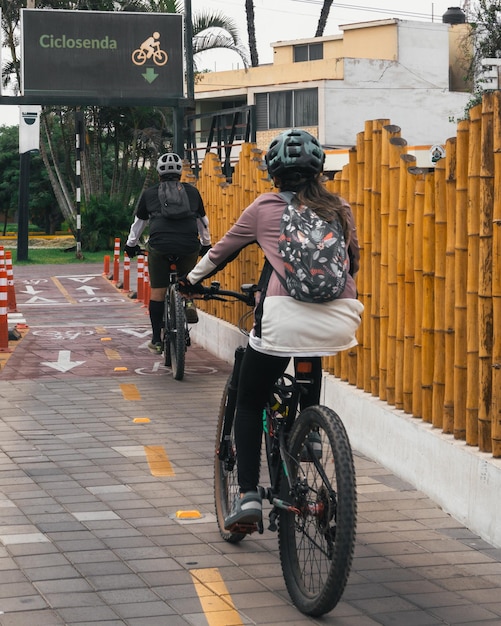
406, 161
450, 281
352, 199
360, 216
428, 283
473, 225
397, 147
461, 269
388, 132
409, 322
496, 284
367, 249
377, 304
485, 306
439, 290
417, 398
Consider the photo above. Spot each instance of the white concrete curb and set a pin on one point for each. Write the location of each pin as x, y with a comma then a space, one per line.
464, 482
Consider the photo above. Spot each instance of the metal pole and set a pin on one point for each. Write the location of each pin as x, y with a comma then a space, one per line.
78, 151
23, 206
188, 46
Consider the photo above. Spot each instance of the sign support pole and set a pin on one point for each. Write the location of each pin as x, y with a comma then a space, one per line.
79, 122
23, 209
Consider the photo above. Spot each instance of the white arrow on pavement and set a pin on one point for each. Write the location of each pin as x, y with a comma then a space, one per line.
88, 289
63, 363
31, 290
80, 279
136, 333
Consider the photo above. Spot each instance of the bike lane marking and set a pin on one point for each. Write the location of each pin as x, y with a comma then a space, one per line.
215, 598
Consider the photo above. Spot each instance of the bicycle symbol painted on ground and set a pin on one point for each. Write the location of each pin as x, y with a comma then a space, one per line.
150, 49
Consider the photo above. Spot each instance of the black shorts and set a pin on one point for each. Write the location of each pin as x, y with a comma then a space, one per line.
159, 266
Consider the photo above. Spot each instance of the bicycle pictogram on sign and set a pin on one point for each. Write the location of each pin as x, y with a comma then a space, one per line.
150, 49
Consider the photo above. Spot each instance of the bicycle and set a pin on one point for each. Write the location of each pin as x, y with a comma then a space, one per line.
312, 485
176, 334
140, 56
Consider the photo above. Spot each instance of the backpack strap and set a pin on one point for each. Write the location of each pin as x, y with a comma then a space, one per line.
262, 286
286, 195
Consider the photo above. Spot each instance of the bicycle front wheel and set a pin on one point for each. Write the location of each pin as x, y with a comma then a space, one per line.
177, 336
226, 486
316, 542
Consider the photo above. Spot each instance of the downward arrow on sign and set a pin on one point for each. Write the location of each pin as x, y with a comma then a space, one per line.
63, 363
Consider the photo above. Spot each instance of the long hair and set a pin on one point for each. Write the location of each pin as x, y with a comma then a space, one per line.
311, 192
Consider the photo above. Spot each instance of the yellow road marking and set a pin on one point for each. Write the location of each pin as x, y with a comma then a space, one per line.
214, 597
130, 392
112, 355
100, 330
158, 461
65, 293
141, 420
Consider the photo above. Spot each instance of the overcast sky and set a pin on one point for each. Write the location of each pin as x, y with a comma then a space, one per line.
281, 20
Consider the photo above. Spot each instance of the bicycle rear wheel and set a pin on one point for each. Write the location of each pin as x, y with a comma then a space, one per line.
177, 337
166, 337
225, 473
316, 543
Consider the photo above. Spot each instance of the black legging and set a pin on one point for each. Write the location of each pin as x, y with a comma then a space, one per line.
257, 375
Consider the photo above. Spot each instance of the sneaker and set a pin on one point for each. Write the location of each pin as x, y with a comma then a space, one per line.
156, 347
247, 509
190, 310
315, 441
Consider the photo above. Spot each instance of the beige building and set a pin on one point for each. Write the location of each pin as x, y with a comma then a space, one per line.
406, 71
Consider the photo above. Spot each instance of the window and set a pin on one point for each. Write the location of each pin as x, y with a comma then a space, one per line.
284, 109
308, 52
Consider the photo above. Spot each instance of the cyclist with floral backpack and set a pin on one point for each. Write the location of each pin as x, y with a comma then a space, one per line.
288, 324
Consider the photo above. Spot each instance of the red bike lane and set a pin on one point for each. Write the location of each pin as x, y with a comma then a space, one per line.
80, 324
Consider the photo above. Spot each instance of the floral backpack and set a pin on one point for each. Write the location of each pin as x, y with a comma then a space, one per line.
314, 252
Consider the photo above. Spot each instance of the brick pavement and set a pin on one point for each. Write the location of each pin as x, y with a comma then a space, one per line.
88, 529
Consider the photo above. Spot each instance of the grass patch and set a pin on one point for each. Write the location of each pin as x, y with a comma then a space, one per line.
57, 256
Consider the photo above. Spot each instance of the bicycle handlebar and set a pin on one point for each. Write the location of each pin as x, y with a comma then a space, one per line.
214, 292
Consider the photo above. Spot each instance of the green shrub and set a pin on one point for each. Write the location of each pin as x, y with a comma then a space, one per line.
104, 219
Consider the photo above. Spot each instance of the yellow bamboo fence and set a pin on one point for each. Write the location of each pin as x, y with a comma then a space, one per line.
430, 274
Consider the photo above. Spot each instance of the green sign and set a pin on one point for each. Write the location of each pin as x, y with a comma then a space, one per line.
100, 55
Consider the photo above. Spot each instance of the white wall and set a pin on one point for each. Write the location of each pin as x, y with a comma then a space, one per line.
413, 92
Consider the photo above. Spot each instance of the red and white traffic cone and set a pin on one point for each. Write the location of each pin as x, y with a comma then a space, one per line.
116, 261
106, 268
2, 256
147, 288
11, 292
4, 320
140, 277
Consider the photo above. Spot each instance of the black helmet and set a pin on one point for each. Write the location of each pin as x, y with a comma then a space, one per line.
170, 163
295, 151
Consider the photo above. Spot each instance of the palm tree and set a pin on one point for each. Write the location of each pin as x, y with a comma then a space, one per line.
211, 30
324, 15
251, 31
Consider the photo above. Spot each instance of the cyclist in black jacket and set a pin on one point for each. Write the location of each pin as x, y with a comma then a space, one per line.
185, 237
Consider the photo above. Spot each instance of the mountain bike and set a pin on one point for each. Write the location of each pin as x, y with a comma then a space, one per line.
312, 485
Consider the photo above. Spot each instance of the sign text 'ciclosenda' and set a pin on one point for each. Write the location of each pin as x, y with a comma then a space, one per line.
52, 41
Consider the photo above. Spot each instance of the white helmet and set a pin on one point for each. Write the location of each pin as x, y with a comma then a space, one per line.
169, 163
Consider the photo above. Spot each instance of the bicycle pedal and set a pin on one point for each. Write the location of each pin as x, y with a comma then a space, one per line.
244, 529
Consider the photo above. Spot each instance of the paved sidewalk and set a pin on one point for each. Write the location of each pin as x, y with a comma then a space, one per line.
98, 458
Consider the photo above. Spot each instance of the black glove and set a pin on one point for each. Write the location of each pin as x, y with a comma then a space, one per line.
204, 250
132, 250
186, 287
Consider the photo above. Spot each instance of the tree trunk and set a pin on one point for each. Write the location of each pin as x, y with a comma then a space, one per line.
251, 31
324, 15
